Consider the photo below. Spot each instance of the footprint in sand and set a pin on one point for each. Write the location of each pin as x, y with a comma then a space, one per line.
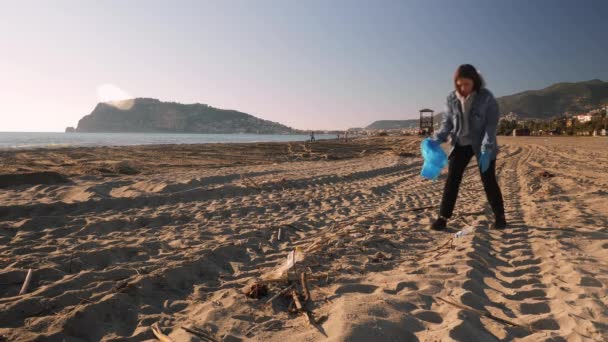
428, 316
534, 308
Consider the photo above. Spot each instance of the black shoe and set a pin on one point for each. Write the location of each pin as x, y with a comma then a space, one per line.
439, 224
500, 223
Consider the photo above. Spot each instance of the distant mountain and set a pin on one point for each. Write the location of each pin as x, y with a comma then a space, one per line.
556, 99
393, 124
152, 115
400, 124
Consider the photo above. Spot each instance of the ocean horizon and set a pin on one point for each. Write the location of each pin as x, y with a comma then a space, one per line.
32, 140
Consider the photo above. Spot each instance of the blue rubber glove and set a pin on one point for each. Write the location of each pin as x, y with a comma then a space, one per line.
484, 161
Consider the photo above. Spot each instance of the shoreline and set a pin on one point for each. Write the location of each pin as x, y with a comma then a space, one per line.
32, 140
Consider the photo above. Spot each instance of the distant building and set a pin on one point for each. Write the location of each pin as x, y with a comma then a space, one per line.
595, 111
584, 117
510, 117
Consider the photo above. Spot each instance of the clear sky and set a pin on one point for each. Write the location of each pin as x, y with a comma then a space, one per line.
308, 64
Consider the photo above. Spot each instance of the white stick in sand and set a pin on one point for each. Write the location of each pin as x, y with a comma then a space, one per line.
26, 283
159, 334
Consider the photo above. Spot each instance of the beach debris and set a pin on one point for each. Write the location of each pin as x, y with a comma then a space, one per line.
296, 299
257, 291
291, 260
423, 208
379, 257
159, 334
300, 308
279, 234
250, 183
463, 232
485, 314
203, 335
293, 282
283, 291
546, 174
444, 248
336, 231
26, 283
293, 257
315, 246
483, 261
292, 278
305, 289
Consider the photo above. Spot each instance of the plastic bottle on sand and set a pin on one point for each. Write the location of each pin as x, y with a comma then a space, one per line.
463, 232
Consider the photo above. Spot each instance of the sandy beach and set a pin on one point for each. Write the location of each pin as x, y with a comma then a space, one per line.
121, 238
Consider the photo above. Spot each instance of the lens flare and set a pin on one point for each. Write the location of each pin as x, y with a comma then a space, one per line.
114, 96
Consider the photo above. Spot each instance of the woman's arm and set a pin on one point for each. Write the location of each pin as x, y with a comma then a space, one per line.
489, 140
447, 124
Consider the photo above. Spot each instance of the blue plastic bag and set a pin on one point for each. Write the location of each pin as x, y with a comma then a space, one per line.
434, 159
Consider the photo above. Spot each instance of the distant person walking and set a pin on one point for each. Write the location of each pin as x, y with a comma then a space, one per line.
312, 136
470, 120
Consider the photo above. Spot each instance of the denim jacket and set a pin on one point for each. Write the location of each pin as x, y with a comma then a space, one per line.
483, 119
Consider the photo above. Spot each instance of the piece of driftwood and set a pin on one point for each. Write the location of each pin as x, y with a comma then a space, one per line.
300, 307
291, 308
280, 293
202, 334
296, 300
26, 283
293, 278
423, 208
305, 287
159, 334
483, 261
447, 244
485, 314
279, 235
314, 246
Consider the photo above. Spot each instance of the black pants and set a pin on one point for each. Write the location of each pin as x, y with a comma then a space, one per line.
459, 159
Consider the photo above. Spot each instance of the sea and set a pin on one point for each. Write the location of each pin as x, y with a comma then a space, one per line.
32, 140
